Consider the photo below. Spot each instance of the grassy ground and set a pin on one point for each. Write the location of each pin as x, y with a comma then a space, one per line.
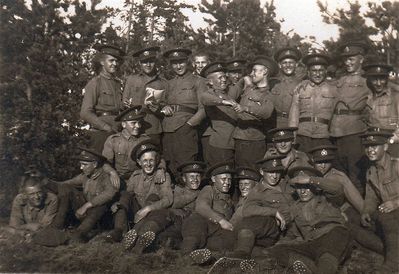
17, 255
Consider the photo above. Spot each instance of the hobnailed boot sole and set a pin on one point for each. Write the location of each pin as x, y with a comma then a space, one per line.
129, 239
300, 267
247, 265
144, 241
201, 256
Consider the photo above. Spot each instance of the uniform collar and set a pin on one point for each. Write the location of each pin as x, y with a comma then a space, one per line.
96, 174
185, 75
106, 76
386, 91
126, 135
385, 161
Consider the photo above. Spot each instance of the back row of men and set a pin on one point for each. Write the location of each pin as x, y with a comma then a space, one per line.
203, 115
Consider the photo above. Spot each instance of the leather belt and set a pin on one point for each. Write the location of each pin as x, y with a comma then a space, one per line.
314, 119
348, 112
107, 113
180, 108
282, 114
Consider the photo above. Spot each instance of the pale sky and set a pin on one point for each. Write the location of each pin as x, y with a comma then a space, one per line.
301, 16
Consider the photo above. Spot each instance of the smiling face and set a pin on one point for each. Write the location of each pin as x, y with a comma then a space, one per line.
353, 63
270, 178
200, 62
148, 66
192, 180
317, 73
234, 76
35, 195
288, 66
109, 64
305, 194
222, 182
245, 185
259, 73
218, 80
88, 168
378, 83
376, 152
283, 147
148, 162
132, 127
179, 67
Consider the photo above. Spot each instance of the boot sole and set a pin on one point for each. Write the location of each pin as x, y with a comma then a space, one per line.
129, 239
300, 267
201, 256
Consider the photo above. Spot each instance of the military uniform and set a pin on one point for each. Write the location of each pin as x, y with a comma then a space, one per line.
136, 90
312, 108
218, 137
22, 213
96, 189
283, 91
349, 119
321, 224
383, 186
250, 132
102, 102
180, 140
211, 207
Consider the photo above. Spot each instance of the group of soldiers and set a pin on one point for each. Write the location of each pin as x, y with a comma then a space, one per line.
216, 159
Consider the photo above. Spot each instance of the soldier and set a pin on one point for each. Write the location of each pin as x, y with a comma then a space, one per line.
323, 158
90, 204
200, 60
283, 91
183, 111
319, 220
236, 70
146, 89
254, 109
382, 196
349, 115
283, 139
313, 104
218, 101
213, 210
265, 212
32, 209
159, 220
145, 191
102, 99
383, 103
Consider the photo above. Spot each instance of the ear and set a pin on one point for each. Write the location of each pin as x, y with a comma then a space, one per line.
261, 172
213, 179
361, 60
184, 178
386, 146
123, 124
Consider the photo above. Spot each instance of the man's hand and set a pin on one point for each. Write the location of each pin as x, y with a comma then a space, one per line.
81, 212
115, 207
388, 206
128, 103
239, 108
141, 214
152, 106
229, 102
247, 81
167, 111
226, 225
161, 175
366, 220
280, 220
115, 180
108, 128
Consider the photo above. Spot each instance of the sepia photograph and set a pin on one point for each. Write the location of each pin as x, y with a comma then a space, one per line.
199, 136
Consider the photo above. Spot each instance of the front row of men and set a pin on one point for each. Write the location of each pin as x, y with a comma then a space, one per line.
306, 216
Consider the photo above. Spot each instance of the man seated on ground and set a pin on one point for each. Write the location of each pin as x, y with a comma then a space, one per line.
320, 222
213, 210
265, 211
32, 209
382, 196
323, 158
145, 191
88, 195
158, 221
224, 240
283, 141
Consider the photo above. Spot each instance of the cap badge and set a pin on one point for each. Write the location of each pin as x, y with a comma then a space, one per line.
281, 133
347, 49
143, 147
146, 53
301, 173
274, 163
235, 64
195, 166
242, 172
176, 54
371, 138
219, 65
324, 152
378, 69
226, 167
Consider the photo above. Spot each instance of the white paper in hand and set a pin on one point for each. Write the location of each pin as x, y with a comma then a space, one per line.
153, 96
